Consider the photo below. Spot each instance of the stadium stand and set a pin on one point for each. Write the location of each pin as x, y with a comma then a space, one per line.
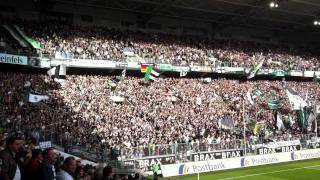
129, 122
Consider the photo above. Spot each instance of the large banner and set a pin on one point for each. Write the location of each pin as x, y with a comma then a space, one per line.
205, 156
278, 144
232, 163
85, 63
13, 59
146, 163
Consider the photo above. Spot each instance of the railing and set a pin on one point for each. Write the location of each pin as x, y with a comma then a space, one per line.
101, 153
204, 62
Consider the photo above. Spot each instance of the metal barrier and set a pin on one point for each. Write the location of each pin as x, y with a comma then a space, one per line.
103, 153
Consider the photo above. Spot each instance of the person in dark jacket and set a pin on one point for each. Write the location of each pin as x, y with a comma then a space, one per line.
46, 168
9, 167
107, 173
32, 168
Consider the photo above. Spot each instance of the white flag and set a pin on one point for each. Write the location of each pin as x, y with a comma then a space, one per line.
34, 98
296, 101
249, 98
198, 101
279, 121
62, 82
318, 109
51, 72
58, 73
123, 73
117, 98
183, 73
207, 80
27, 84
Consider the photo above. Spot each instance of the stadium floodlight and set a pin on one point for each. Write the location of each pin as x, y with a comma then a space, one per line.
273, 4
315, 23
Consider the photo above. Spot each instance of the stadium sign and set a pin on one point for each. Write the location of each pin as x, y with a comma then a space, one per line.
261, 151
233, 163
205, 156
45, 144
13, 59
121, 65
287, 143
307, 154
278, 144
169, 67
308, 74
290, 148
146, 163
165, 67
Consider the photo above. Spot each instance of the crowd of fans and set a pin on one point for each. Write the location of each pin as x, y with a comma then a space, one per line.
23, 160
102, 43
168, 111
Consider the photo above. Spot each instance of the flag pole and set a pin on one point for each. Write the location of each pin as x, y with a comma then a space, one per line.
315, 106
244, 128
315, 119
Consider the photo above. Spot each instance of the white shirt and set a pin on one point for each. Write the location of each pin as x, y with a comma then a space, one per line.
17, 176
63, 175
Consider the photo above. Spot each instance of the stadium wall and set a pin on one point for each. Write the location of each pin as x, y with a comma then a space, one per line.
233, 163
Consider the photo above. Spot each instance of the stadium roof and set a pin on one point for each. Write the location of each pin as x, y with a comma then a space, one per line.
290, 15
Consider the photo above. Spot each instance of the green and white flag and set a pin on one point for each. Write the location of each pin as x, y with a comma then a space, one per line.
280, 73
151, 74
258, 92
255, 69
34, 43
273, 104
295, 100
303, 116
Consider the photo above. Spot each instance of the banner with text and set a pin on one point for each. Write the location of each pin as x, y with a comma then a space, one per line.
205, 156
146, 163
13, 59
232, 163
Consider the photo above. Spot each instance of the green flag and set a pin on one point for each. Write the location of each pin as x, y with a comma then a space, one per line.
35, 44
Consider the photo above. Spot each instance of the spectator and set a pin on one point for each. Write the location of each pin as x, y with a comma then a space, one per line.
68, 170
107, 173
9, 166
79, 173
32, 168
47, 170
